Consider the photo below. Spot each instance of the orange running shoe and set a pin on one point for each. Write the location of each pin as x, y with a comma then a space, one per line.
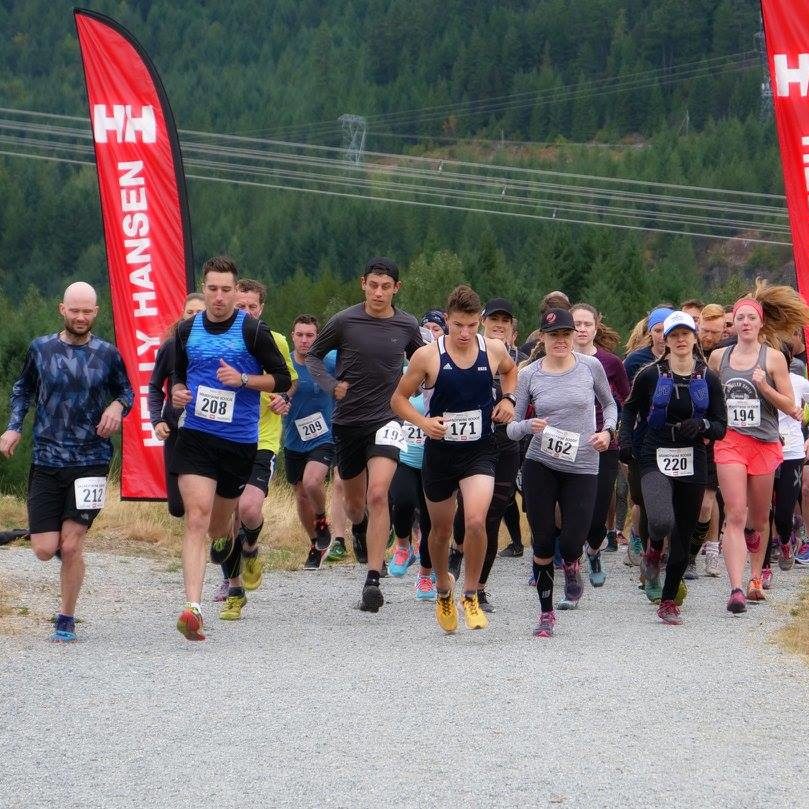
755, 591
189, 623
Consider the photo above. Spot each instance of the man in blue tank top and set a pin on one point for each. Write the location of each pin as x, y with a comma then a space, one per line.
81, 392
308, 443
224, 360
460, 451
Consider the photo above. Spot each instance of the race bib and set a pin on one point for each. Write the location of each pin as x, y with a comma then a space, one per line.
466, 425
214, 404
311, 426
675, 462
414, 436
560, 444
390, 435
744, 412
90, 493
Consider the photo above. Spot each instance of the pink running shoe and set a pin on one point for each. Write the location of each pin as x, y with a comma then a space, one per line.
544, 627
766, 578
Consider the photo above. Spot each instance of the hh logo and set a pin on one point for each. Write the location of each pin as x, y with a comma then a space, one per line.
785, 76
128, 128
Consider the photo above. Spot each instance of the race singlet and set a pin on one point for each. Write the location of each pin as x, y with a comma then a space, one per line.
466, 425
90, 493
414, 436
744, 412
215, 404
560, 444
390, 435
311, 427
676, 462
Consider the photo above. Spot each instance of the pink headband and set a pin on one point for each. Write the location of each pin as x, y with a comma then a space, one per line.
748, 302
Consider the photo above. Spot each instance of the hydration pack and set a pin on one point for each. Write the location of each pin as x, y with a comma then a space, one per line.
697, 389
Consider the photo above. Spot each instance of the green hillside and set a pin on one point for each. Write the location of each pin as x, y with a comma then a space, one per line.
661, 90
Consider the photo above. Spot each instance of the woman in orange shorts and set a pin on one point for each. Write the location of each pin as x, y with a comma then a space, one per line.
756, 382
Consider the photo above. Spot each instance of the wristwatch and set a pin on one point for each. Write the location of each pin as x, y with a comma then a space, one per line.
245, 380
284, 396
611, 431
510, 397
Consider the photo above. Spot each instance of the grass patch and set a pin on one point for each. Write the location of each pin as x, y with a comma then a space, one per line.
795, 635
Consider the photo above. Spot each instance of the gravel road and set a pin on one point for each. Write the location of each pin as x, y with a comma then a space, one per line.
309, 702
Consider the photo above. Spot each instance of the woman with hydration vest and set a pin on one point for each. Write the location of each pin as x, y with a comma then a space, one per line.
680, 402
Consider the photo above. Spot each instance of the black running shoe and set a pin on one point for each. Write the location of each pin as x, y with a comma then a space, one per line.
455, 559
612, 541
512, 551
484, 603
383, 574
371, 598
314, 559
322, 536
360, 548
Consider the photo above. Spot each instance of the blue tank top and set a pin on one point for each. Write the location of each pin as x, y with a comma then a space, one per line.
229, 413
460, 390
308, 423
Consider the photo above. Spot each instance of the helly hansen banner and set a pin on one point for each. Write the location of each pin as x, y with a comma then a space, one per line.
146, 225
786, 28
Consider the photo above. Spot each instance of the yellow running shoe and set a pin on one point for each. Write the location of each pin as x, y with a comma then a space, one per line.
252, 571
232, 610
682, 592
473, 615
445, 610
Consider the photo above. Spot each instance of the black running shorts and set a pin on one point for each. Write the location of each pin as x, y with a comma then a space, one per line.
229, 463
52, 497
354, 445
295, 462
447, 463
263, 470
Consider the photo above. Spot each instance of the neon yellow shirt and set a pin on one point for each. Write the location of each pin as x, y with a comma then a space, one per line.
269, 423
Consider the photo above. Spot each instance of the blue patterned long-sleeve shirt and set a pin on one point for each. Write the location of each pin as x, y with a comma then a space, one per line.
71, 385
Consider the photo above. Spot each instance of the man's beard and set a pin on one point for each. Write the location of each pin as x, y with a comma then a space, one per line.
70, 330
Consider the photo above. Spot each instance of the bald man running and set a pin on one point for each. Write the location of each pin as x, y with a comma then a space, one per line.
82, 393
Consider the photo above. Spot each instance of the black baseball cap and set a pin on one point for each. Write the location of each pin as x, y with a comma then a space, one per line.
498, 305
380, 265
435, 316
556, 320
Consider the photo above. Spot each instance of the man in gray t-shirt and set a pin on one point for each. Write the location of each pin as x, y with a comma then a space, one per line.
372, 340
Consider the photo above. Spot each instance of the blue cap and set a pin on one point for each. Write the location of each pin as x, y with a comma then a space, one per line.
657, 316
435, 316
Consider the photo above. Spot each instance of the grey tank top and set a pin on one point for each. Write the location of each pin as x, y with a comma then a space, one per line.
738, 385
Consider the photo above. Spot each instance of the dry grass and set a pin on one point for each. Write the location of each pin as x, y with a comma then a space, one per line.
139, 528
795, 635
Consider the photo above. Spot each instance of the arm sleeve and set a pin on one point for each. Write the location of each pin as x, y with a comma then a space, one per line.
327, 340
717, 414
23, 390
519, 426
161, 372
637, 402
261, 345
603, 393
180, 375
119, 387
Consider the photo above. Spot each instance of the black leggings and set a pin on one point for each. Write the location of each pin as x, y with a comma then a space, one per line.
636, 493
175, 501
544, 488
405, 496
607, 472
786, 494
672, 507
505, 476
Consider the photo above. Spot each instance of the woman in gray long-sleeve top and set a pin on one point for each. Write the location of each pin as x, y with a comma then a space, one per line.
561, 465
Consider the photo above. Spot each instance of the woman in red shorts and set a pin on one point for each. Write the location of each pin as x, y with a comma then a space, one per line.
756, 382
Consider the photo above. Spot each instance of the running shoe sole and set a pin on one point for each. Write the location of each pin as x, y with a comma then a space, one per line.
189, 624
63, 636
372, 598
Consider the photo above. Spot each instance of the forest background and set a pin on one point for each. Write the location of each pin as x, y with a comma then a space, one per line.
665, 91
